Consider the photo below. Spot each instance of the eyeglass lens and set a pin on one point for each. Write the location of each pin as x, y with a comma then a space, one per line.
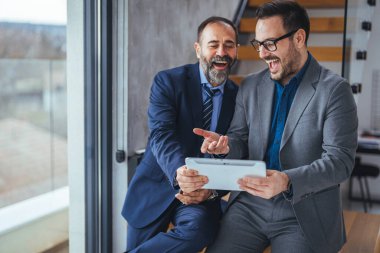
269, 45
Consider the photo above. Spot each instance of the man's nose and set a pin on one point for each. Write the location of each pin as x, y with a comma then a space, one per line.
222, 50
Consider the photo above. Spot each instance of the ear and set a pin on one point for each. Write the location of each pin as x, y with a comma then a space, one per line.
300, 38
197, 48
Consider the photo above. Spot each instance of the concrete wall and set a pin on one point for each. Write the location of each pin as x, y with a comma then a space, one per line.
161, 35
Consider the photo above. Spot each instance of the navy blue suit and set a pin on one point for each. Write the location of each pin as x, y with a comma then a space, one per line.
175, 109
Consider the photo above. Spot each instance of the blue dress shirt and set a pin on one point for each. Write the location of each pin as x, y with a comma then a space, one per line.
216, 99
282, 102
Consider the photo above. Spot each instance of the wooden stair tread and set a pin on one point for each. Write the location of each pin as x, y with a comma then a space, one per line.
320, 53
306, 3
317, 25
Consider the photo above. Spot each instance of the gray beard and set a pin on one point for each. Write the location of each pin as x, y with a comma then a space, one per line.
215, 76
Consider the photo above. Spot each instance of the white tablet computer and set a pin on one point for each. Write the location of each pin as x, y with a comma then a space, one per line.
223, 174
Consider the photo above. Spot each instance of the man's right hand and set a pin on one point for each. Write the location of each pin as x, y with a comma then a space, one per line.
213, 143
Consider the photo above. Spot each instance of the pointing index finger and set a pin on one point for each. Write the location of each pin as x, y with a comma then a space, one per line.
201, 132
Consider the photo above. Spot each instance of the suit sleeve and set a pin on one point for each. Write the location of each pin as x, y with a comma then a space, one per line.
339, 143
162, 114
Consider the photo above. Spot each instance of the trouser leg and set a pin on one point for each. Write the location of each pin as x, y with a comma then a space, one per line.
240, 231
285, 233
252, 223
195, 227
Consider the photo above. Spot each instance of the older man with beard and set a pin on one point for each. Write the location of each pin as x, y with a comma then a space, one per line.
194, 95
301, 119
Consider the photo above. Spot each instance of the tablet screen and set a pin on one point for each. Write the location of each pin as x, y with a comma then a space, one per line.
223, 174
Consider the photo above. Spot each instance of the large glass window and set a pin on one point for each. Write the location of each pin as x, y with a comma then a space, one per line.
33, 117
33, 131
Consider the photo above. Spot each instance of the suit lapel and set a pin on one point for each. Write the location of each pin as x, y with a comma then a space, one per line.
194, 92
265, 98
304, 94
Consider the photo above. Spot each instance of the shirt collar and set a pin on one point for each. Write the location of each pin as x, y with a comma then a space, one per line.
205, 81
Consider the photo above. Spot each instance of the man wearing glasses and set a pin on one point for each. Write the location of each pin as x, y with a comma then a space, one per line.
301, 119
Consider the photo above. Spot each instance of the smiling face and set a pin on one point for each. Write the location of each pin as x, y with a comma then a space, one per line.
291, 53
216, 51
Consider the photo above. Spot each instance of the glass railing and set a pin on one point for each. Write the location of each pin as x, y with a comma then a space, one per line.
33, 132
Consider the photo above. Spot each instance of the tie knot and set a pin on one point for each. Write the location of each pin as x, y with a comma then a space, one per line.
211, 92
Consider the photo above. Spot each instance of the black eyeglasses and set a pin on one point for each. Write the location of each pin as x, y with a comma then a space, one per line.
270, 44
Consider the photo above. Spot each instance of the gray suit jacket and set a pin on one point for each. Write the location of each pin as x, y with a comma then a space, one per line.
317, 148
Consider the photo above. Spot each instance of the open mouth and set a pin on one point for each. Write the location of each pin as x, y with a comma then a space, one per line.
273, 64
220, 65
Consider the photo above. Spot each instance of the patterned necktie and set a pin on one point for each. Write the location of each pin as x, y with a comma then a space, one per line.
207, 107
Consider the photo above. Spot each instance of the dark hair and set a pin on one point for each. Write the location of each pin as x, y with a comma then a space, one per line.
293, 15
215, 19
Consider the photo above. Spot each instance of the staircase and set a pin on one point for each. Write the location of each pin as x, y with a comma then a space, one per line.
325, 40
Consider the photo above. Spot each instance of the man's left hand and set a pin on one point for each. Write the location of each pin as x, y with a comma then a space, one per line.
194, 197
275, 183
189, 180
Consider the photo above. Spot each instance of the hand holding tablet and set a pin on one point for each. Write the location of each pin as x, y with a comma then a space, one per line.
223, 174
